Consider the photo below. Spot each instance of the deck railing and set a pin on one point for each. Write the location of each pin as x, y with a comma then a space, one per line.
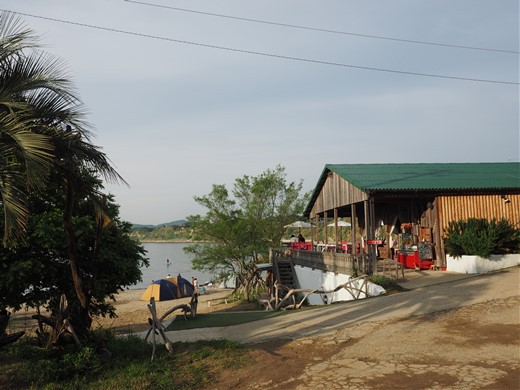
345, 263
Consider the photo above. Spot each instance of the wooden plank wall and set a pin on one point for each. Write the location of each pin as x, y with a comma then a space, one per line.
453, 208
336, 192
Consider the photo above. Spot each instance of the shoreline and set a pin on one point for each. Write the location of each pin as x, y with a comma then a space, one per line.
166, 241
174, 241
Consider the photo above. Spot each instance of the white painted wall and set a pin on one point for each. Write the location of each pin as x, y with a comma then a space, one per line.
316, 279
479, 265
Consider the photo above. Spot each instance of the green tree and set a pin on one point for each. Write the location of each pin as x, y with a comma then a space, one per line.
36, 271
35, 99
239, 228
42, 133
74, 157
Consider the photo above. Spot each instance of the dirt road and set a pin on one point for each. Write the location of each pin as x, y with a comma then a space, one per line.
476, 346
458, 335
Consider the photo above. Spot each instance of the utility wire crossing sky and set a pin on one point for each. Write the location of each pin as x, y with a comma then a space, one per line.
320, 62
323, 29
183, 98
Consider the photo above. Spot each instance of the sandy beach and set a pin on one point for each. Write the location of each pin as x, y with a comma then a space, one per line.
133, 314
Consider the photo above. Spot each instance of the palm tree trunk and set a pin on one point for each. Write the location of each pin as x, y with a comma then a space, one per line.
83, 322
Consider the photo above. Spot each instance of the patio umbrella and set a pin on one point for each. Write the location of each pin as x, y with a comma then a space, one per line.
299, 225
340, 224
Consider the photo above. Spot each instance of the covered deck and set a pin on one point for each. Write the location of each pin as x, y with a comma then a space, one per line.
400, 211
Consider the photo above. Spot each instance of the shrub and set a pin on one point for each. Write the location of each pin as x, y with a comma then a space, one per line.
383, 281
481, 238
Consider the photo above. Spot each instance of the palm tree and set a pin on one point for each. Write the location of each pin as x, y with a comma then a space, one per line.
73, 155
42, 131
34, 97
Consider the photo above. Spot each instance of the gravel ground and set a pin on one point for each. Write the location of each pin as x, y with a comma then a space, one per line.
474, 347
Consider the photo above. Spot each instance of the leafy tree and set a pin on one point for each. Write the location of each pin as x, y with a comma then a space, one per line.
36, 271
239, 228
74, 157
42, 133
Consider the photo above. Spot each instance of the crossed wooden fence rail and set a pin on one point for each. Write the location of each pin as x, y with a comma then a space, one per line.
351, 286
156, 324
157, 327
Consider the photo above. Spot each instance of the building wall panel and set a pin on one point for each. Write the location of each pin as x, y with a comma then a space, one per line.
335, 193
453, 208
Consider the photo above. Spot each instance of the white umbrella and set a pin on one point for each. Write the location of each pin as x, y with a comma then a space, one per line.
340, 223
298, 224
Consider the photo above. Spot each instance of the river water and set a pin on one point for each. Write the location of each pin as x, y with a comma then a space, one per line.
180, 263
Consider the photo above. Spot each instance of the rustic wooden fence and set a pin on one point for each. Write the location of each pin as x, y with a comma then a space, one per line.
156, 324
297, 296
345, 263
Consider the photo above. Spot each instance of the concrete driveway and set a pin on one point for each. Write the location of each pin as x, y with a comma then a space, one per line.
430, 291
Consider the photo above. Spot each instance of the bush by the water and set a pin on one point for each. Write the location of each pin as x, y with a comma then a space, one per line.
481, 237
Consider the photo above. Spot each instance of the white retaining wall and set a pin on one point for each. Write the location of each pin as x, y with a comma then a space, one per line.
479, 265
316, 279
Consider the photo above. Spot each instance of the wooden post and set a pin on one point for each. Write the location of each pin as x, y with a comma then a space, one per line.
317, 227
437, 234
389, 230
365, 233
326, 240
353, 227
312, 232
371, 231
336, 241
157, 327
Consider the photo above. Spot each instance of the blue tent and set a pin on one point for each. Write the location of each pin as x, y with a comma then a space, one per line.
166, 289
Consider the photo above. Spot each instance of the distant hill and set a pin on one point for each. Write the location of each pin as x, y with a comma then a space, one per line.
169, 231
180, 222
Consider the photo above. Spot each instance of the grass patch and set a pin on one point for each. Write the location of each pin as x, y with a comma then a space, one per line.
191, 366
211, 320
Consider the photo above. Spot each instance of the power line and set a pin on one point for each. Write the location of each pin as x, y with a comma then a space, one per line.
291, 58
323, 29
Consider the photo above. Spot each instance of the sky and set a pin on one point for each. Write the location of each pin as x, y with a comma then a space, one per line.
175, 114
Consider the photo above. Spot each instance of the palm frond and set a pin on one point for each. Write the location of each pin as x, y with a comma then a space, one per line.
14, 36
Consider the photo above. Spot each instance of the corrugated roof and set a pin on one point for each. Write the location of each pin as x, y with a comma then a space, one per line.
431, 176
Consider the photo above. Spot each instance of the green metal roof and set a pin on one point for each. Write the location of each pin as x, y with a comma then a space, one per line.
431, 176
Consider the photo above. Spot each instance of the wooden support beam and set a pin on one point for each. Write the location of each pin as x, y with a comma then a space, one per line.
353, 227
336, 226
325, 220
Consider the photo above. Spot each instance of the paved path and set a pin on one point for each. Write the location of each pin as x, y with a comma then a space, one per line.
432, 292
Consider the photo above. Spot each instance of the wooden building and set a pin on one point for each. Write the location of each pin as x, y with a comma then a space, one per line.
421, 198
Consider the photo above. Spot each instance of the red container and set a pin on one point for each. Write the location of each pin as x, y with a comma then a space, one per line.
412, 259
401, 257
408, 259
425, 264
